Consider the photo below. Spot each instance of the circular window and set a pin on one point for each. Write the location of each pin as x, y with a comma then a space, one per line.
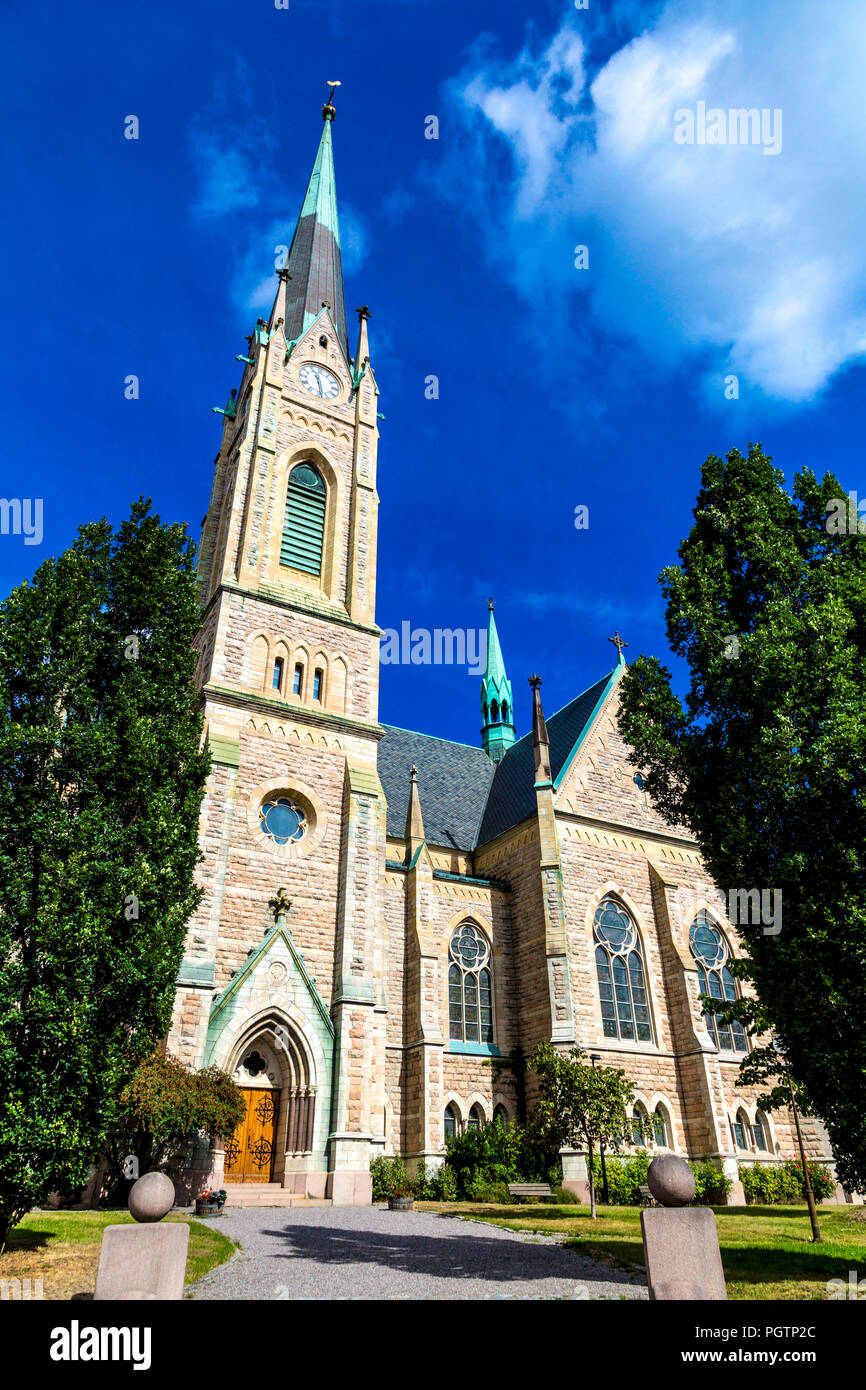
614, 927
282, 820
468, 947
706, 942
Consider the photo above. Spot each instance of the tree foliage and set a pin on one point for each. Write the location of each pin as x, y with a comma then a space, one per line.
765, 762
165, 1105
101, 778
580, 1105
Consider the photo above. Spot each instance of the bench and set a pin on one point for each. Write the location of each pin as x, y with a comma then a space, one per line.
522, 1190
646, 1197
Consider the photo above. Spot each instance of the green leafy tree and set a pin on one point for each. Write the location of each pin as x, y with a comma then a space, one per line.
101, 779
581, 1105
765, 762
165, 1106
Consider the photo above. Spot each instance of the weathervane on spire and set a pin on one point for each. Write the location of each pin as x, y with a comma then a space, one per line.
490, 605
329, 111
618, 643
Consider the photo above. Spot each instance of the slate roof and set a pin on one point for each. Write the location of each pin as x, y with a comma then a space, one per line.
453, 782
512, 795
466, 800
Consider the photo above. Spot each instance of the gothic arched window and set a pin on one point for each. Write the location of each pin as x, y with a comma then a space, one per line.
711, 953
760, 1132
452, 1122
638, 1120
621, 984
740, 1128
505, 711
470, 992
304, 525
661, 1128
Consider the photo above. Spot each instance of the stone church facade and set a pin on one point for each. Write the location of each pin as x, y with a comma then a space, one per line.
391, 921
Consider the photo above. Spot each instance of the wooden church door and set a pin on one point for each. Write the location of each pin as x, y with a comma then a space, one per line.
251, 1150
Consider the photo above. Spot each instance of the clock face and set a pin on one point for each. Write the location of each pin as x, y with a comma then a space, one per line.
318, 381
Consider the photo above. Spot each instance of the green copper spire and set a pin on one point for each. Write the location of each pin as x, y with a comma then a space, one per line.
315, 266
497, 705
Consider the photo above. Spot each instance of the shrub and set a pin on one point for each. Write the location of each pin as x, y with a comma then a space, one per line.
624, 1177
768, 1184
562, 1196
448, 1184
496, 1154
711, 1186
479, 1190
389, 1174
162, 1110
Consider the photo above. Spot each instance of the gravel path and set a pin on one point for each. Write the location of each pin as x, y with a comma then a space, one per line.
373, 1253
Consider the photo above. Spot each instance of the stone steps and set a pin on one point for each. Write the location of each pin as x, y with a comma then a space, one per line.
269, 1194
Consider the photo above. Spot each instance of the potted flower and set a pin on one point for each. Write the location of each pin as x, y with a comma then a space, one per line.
210, 1203
401, 1199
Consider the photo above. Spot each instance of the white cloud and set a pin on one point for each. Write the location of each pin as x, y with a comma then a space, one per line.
755, 264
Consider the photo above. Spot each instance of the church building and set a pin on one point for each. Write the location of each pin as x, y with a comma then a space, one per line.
391, 921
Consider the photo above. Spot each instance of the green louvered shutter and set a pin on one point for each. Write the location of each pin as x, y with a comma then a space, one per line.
304, 526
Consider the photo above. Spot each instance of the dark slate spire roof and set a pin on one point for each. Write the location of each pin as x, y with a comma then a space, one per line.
466, 800
315, 264
453, 782
512, 795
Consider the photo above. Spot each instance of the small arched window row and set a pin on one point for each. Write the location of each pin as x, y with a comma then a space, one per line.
748, 1134
658, 1125
711, 953
453, 1125
621, 978
322, 679
470, 986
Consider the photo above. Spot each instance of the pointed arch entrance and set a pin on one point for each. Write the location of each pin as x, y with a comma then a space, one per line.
274, 1068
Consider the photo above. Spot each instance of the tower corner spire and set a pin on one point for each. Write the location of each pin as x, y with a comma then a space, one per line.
414, 822
497, 703
540, 739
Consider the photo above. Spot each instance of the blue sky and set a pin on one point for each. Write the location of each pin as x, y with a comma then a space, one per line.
558, 386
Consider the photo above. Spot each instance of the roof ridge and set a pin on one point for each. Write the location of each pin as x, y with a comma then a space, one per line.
417, 733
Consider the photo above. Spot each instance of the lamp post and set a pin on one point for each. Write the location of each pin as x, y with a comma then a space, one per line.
810, 1196
594, 1057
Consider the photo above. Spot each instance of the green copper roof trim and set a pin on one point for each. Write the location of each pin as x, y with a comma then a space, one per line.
611, 682
321, 197
252, 960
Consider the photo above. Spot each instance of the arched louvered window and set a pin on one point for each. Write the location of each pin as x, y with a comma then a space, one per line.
304, 526
711, 953
621, 984
470, 993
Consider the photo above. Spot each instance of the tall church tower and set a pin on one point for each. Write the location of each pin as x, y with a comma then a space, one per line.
283, 980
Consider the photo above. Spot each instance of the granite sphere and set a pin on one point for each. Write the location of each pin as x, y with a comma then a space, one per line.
671, 1181
152, 1197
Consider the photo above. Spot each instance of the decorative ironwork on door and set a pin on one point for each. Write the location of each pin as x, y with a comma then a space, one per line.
249, 1153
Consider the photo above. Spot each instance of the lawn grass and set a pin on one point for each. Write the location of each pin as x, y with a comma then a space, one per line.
766, 1251
62, 1249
